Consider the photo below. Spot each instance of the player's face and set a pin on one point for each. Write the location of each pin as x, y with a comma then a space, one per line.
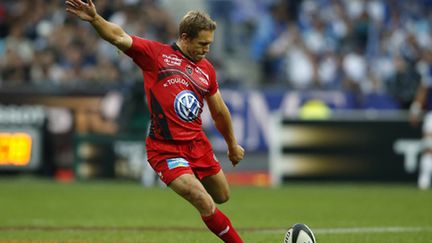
197, 48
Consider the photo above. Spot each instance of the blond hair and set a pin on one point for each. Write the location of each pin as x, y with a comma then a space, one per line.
194, 22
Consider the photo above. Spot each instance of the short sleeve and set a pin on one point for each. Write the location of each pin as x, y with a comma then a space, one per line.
144, 52
213, 81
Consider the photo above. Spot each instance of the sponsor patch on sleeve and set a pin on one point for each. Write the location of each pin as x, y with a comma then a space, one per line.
177, 162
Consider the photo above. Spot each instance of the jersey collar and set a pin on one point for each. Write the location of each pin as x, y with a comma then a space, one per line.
177, 48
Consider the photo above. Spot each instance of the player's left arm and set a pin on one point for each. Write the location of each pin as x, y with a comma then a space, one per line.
222, 119
416, 108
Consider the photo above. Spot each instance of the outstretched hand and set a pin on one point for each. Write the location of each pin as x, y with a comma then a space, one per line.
236, 154
86, 11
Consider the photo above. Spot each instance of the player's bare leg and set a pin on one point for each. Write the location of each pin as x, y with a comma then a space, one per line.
192, 190
425, 167
425, 171
217, 187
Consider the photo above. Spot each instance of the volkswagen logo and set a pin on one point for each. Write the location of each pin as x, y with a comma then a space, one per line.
187, 106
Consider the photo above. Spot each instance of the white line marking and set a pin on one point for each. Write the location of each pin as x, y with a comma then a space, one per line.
356, 230
359, 230
318, 231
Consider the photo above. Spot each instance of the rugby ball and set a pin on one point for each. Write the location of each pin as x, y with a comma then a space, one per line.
299, 233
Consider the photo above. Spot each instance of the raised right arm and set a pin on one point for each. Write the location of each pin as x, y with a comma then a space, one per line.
108, 31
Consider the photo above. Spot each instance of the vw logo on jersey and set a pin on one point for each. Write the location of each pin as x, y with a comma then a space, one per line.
187, 106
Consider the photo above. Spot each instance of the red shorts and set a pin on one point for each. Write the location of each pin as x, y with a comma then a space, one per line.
171, 159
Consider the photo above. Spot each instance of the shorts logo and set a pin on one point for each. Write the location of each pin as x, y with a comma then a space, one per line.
187, 106
177, 162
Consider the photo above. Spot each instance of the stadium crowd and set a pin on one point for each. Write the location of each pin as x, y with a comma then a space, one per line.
366, 46
40, 43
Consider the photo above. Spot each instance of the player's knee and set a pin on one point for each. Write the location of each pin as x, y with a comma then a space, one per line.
222, 198
207, 205
202, 201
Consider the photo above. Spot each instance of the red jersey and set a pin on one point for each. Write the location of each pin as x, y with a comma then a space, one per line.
175, 88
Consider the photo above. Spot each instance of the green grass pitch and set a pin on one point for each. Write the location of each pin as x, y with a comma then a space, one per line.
34, 210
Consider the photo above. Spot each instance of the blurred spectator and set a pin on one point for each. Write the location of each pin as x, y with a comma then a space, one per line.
355, 70
270, 27
222, 11
351, 45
